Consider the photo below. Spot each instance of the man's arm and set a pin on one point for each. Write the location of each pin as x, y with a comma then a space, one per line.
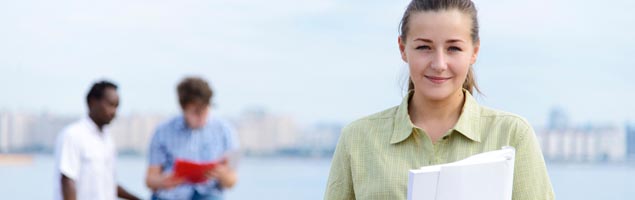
225, 172
122, 193
156, 180
68, 188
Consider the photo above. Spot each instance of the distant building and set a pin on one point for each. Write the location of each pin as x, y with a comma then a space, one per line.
26, 133
558, 119
4, 132
43, 132
14, 132
132, 134
262, 134
320, 139
589, 143
630, 141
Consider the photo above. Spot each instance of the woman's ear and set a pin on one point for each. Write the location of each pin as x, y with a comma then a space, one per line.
477, 46
402, 49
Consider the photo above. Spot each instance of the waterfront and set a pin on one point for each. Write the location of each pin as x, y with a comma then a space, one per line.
305, 178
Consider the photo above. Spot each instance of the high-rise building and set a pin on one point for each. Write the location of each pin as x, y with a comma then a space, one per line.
320, 139
591, 143
45, 129
263, 133
4, 132
132, 134
630, 141
558, 119
15, 131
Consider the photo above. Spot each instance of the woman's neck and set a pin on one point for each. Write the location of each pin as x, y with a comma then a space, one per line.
436, 116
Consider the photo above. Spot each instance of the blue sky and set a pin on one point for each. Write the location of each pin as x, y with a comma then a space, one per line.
313, 59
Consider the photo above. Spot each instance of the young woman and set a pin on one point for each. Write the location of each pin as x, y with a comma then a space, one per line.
438, 121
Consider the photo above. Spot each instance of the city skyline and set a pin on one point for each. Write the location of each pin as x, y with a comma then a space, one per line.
269, 134
314, 60
259, 133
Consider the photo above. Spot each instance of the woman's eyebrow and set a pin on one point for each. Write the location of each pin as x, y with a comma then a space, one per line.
424, 40
455, 41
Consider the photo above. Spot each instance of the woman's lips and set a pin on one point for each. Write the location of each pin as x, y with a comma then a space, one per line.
437, 79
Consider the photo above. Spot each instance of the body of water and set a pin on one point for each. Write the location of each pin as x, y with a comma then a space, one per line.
305, 178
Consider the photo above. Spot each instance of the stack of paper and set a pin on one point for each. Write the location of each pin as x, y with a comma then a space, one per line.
484, 176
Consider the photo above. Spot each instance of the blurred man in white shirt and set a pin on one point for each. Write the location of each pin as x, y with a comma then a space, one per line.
85, 155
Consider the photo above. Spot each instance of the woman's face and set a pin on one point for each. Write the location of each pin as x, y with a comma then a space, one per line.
439, 51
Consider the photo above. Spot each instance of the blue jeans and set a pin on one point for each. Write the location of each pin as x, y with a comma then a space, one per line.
198, 196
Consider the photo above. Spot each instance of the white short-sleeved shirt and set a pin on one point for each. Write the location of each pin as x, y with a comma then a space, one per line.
87, 156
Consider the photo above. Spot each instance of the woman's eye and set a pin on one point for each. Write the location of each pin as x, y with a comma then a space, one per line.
454, 49
423, 47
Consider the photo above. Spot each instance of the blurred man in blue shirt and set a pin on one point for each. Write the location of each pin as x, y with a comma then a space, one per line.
194, 136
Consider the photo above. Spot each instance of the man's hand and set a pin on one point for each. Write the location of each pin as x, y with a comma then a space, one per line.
156, 180
169, 181
224, 174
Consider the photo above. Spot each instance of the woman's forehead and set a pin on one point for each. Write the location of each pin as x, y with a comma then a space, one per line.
440, 24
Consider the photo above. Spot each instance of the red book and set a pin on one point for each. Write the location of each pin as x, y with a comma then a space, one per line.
193, 172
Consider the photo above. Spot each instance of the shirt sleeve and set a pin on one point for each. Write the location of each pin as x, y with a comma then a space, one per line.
69, 156
340, 182
156, 153
531, 181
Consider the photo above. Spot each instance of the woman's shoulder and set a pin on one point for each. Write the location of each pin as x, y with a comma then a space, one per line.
503, 117
378, 119
498, 113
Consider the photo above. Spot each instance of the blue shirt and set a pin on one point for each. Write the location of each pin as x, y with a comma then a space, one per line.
174, 139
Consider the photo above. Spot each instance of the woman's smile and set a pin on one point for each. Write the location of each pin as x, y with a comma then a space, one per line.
437, 79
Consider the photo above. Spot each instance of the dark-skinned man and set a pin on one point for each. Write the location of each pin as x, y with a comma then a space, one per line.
85, 154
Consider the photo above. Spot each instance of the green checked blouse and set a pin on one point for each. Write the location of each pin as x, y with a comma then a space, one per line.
374, 153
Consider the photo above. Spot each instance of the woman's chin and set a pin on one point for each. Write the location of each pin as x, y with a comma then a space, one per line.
436, 94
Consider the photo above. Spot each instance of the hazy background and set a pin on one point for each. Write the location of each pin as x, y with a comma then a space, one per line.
309, 62
313, 59
290, 73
